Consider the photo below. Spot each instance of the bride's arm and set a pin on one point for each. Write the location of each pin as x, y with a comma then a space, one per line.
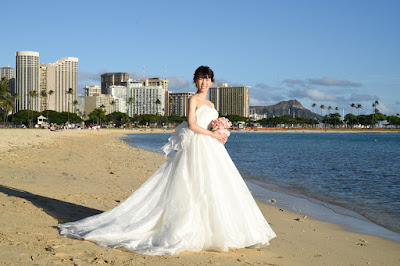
191, 120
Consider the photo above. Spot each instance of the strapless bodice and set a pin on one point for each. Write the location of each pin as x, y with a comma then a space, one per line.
204, 115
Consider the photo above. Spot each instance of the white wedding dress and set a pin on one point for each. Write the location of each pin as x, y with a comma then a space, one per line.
197, 200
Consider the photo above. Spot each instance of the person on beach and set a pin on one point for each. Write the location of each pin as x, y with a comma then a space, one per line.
197, 200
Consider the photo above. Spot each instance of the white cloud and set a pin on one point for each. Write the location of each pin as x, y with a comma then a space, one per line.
361, 97
180, 84
262, 86
83, 75
382, 108
256, 102
312, 94
294, 82
266, 97
327, 81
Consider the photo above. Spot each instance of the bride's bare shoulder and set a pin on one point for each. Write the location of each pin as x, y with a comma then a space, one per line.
196, 100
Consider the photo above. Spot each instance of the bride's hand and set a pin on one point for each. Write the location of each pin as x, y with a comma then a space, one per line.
221, 137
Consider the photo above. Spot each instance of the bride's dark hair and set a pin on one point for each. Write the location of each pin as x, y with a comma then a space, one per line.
203, 71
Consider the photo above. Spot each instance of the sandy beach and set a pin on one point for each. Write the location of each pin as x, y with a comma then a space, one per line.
54, 177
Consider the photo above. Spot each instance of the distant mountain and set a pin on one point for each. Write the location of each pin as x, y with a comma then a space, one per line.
291, 107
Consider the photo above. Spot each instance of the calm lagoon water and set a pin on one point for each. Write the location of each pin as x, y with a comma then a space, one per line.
353, 174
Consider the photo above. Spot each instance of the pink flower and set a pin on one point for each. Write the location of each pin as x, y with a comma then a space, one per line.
221, 125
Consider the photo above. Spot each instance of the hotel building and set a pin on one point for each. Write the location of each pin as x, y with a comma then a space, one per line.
232, 100
92, 90
62, 76
110, 79
145, 98
120, 95
27, 79
9, 73
80, 107
98, 101
159, 82
179, 103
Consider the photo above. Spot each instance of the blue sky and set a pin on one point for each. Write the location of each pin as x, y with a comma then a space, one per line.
325, 52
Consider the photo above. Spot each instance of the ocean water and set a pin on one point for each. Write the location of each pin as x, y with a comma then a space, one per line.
356, 175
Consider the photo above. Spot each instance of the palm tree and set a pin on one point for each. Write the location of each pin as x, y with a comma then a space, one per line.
6, 101
49, 93
16, 97
158, 102
374, 105
7, 105
112, 103
329, 109
358, 107
75, 103
171, 101
322, 108
69, 93
43, 95
103, 107
352, 105
313, 106
130, 102
336, 109
33, 94
4, 91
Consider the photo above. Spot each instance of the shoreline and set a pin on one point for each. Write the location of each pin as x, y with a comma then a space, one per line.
64, 176
271, 130
322, 210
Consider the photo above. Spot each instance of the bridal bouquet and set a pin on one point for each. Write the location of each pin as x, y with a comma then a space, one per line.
221, 125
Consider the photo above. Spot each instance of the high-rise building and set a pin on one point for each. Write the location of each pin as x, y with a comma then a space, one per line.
110, 79
80, 107
156, 82
62, 77
230, 100
179, 103
27, 80
92, 90
9, 73
119, 94
43, 86
146, 99
98, 101
159, 82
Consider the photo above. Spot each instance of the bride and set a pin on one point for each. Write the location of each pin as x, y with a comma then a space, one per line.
197, 200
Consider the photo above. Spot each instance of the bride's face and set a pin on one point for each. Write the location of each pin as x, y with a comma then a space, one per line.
203, 84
